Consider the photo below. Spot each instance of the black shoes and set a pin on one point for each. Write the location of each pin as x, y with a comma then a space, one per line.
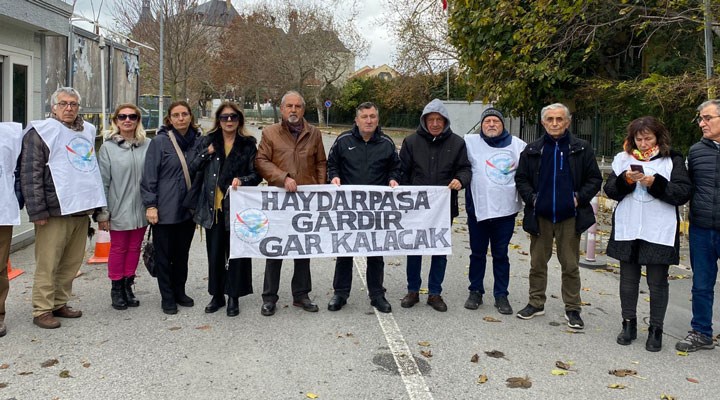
267, 309
216, 303
233, 308
130, 298
503, 305
474, 300
336, 303
170, 311
306, 305
410, 300
185, 301
573, 319
654, 340
628, 333
695, 341
381, 304
530, 312
117, 295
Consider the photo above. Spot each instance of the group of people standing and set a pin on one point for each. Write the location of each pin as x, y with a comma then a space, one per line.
179, 179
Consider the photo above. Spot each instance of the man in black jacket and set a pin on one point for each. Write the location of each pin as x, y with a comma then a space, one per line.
703, 160
557, 177
363, 155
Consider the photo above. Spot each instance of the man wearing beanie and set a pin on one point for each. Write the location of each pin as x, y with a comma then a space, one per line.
433, 155
492, 203
557, 177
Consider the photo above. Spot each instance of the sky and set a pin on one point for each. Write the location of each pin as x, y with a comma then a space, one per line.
381, 43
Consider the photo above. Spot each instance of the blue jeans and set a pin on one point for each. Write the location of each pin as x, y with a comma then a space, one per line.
437, 273
497, 232
704, 254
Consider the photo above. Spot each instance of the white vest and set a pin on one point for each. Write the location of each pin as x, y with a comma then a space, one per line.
493, 177
11, 135
73, 165
640, 215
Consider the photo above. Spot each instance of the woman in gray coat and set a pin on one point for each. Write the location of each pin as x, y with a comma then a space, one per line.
121, 159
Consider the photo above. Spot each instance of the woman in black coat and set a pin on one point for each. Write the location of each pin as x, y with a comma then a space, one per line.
649, 181
225, 157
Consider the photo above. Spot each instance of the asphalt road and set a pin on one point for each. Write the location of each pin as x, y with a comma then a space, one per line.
354, 353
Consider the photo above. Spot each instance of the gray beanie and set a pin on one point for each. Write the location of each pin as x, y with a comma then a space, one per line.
492, 112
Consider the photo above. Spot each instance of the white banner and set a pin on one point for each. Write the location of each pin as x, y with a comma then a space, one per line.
330, 221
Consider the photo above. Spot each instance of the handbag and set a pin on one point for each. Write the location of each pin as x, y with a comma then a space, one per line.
148, 254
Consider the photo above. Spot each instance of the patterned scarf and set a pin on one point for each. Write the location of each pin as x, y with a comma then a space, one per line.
76, 125
647, 154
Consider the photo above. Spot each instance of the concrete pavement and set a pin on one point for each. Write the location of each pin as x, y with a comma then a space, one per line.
354, 353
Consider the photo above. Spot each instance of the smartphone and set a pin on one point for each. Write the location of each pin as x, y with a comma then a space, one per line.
637, 168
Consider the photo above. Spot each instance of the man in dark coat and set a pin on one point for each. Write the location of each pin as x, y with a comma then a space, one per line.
557, 177
363, 155
703, 160
433, 155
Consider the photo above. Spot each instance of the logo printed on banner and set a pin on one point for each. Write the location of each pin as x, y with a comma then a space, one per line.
251, 225
500, 168
81, 154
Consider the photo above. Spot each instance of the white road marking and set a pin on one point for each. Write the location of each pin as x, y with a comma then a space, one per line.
413, 379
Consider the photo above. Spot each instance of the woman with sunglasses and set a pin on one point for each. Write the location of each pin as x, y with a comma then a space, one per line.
121, 159
166, 181
224, 158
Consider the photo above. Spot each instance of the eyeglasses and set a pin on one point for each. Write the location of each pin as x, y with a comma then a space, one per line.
705, 118
65, 104
181, 114
131, 117
230, 117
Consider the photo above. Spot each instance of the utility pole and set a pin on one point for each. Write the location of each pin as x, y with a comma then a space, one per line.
708, 50
162, 66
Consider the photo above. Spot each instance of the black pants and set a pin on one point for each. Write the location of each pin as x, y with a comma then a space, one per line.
172, 249
657, 280
301, 282
236, 280
375, 274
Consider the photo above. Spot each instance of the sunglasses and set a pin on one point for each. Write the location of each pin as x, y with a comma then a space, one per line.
131, 117
229, 117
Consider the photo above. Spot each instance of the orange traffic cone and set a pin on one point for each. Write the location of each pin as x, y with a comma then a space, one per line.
102, 248
13, 273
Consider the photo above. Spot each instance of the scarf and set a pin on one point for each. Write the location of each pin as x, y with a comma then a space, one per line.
647, 154
76, 125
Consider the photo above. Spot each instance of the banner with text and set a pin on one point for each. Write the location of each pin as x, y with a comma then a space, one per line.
330, 221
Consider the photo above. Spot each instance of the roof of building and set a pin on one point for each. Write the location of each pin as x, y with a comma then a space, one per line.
215, 12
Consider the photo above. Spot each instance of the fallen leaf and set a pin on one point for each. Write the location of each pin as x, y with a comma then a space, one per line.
647, 299
203, 327
562, 365
676, 277
86, 365
643, 273
490, 319
311, 395
682, 353
426, 353
557, 372
482, 379
25, 373
574, 332
174, 328
423, 291
348, 334
49, 363
622, 372
3, 385
585, 303
424, 343
586, 289
4, 366
666, 397
64, 374
495, 354
475, 358
553, 296
523, 252
519, 382
617, 386
514, 246
692, 380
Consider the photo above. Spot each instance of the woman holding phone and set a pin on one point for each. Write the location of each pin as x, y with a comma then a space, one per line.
649, 180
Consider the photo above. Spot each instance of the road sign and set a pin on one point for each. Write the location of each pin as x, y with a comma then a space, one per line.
328, 103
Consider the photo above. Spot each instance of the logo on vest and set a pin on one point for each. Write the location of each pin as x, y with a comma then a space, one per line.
641, 193
81, 154
500, 168
250, 225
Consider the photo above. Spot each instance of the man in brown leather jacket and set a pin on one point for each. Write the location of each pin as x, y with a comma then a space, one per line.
290, 153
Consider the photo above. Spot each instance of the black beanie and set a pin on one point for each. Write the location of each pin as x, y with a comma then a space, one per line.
492, 112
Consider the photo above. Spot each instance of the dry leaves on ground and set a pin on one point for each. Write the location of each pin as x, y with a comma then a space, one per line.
49, 363
475, 358
4, 366
174, 328
3, 385
311, 395
482, 379
563, 365
622, 372
495, 354
65, 374
25, 373
426, 353
424, 343
666, 397
558, 372
203, 327
86, 365
491, 319
519, 382
617, 386
692, 380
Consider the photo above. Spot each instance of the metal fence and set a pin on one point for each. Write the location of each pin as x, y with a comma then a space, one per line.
596, 129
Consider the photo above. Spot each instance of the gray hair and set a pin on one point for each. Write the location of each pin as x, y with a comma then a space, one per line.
64, 90
714, 102
292, 93
555, 106
366, 106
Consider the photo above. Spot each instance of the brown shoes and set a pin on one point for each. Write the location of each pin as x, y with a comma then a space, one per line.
436, 301
46, 321
67, 312
410, 300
